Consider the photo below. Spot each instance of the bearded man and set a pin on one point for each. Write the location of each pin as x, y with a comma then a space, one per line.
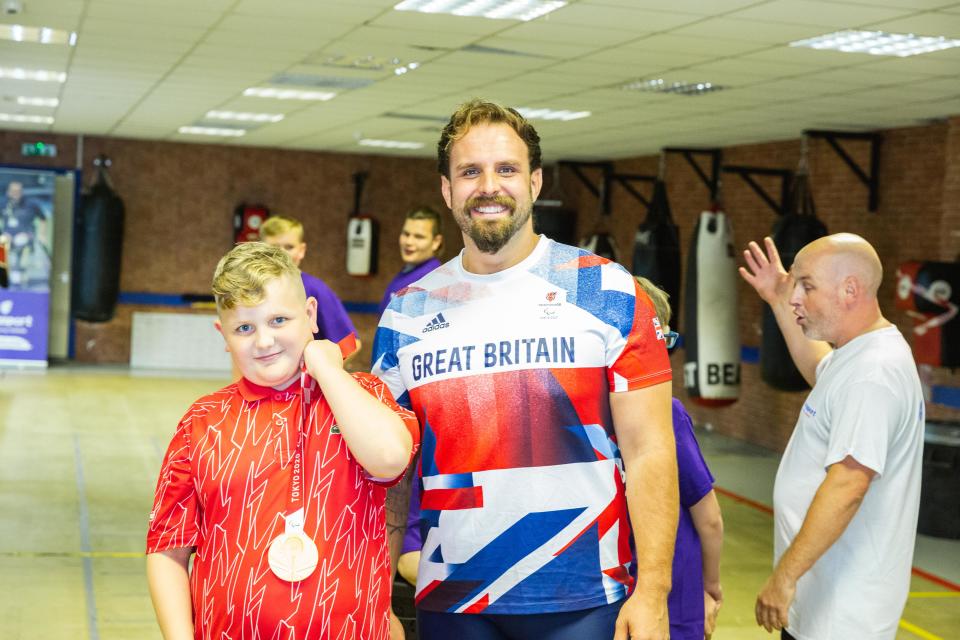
540, 377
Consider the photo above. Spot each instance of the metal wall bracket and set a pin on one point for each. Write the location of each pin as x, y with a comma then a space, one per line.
748, 173
602, 192
872, 179
712, 182
626, 181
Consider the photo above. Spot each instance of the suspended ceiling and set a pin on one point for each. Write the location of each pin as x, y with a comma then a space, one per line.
144, 68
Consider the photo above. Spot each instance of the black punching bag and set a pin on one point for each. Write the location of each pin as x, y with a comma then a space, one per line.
656, 250
601, 242
98, 241
798, 227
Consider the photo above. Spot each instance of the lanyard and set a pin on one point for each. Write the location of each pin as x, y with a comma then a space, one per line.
294, 513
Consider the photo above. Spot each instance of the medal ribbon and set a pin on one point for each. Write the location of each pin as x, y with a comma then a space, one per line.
294, 513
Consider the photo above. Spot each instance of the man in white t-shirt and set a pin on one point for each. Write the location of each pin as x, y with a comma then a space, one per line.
847, 491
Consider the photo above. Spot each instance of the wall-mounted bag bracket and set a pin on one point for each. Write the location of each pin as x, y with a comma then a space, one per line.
870, 180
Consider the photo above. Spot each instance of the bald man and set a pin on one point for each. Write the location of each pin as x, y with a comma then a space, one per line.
847, 492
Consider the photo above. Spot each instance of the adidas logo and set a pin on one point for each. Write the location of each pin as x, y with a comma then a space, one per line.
438, 322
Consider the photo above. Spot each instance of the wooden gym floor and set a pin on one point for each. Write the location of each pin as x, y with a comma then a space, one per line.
80, 448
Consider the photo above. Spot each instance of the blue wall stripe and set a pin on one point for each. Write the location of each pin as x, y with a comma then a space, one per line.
947, 396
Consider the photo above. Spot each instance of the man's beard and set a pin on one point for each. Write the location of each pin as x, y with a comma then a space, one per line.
492, 235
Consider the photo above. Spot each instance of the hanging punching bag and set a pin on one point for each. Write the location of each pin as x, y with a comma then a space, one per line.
711, 372
362, 235
601, 242
98, 242
656, 249
798, 227
552, 217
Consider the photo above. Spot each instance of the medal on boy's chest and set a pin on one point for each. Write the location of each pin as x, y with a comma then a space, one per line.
293, 555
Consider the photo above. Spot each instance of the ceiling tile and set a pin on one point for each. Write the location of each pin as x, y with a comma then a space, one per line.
934, 23
824, 14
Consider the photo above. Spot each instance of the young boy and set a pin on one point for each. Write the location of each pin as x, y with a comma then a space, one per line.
332, 320
277, 481
696, 596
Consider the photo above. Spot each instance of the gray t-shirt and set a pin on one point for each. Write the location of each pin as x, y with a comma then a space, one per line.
867, 403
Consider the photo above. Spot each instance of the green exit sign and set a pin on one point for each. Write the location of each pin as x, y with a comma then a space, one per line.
31, 149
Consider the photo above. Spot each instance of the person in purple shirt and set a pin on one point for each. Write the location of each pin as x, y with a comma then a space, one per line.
420, 242
333, 323
696, 596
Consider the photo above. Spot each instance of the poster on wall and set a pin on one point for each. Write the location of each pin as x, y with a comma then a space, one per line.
26, 232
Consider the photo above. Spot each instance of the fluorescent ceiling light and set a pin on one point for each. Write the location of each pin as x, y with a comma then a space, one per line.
659, 85
17, 73
37, 102
43, 35
212, 131
878, 43
245, 117
551, 114
389, 144
496, 9
404, 68
288, 94
19, 117
364, 62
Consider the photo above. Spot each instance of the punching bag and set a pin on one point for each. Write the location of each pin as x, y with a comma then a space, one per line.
798, 227
930, 293
362, 235
656, 249
98, 242
711, 370
601, 242
551, 217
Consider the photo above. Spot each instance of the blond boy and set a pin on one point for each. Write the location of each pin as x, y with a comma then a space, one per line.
277, 482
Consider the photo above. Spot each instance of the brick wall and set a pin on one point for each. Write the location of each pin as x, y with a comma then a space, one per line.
918, 218
180, 198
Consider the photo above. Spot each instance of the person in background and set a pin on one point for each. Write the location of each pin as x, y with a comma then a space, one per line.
333, 323
695, 599
847, 494
421, 240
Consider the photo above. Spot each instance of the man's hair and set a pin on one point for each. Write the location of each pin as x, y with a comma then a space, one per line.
477, 112
243, 273
659, 298
278, 225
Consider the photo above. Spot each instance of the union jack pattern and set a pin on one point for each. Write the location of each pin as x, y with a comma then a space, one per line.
523, 502
223, 490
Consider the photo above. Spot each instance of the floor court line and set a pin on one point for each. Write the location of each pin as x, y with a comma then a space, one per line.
72, 554
917, 631
92, 629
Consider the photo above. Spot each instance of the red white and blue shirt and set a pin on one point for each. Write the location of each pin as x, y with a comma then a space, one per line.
223, 490
509, 374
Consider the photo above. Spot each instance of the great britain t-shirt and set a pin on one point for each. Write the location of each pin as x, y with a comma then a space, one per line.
509, 374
